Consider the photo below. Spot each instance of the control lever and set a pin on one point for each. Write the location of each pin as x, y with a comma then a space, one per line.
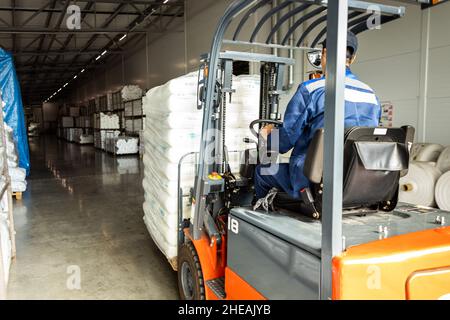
248, 140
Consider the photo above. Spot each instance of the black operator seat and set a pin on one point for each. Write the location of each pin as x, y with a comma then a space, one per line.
374, 161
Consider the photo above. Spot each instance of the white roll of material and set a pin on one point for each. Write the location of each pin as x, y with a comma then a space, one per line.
442, 192
418, 186
426, 152
443, 162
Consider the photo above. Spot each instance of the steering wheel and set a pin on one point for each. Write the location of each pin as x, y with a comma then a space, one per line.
259, 121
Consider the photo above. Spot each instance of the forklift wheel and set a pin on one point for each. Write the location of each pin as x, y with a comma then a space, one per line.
190, 276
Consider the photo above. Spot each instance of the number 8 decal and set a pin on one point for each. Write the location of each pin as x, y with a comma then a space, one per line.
233, 225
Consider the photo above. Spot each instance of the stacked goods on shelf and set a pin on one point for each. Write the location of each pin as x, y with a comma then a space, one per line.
86, 139
109, 101
134, 125
101, 136
34, 129
131, 92
141, 143
67, 122
122, 145
74, 111
116, 100
428, 180
172, 129
83, 122
105, 121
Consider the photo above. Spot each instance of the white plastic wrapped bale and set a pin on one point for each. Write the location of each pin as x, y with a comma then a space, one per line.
122, 145
426, 152
418, 186
131, 92
5, 244
109, 121
18, 175
172, 129
442, 192
86, 139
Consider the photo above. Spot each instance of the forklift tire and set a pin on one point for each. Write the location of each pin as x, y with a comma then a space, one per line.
190, 276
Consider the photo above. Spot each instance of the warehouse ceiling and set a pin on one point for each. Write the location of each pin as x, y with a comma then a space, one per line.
50, 48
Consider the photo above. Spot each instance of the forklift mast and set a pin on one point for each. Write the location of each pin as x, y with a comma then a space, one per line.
215, 85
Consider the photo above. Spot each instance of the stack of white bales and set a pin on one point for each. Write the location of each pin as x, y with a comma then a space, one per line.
122, 145
5, 238
428, 180
173, 129
17, 174
109, 121
86, 139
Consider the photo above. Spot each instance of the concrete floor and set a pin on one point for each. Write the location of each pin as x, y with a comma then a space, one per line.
82, 215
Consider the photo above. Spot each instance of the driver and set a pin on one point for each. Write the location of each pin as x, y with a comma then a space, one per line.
304, 115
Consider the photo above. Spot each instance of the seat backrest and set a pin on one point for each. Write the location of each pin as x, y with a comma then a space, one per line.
374, 161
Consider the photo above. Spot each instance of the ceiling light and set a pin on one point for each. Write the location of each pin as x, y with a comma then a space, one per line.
123, 37
82, 71
76, 76
104, 52
98, 58
165, 1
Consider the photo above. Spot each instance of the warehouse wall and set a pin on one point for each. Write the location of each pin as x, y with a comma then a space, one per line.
393, 61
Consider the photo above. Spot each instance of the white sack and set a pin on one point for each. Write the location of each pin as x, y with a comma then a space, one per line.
443, 162
428, 152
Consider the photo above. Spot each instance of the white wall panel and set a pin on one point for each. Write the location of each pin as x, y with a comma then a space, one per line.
439, 75
438, 121
392, 77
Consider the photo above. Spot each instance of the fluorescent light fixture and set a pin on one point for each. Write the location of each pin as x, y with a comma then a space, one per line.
104, 52
65, 85
82, 71
123, 37
98, 58
76, 76
165, 1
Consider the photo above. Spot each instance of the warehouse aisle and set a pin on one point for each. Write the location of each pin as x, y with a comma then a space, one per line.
82, 215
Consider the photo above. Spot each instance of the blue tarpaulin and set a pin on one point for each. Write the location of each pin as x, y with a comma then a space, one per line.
13, 111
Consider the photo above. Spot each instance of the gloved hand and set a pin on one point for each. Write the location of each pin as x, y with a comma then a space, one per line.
264, 132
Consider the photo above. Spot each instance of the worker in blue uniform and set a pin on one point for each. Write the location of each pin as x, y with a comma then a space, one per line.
304, 115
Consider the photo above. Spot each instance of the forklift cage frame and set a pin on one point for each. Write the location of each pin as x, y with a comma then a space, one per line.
340, 16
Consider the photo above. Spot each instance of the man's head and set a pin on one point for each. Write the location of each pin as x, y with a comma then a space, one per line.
352, 48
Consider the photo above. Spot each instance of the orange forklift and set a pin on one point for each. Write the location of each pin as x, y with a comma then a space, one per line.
347, 237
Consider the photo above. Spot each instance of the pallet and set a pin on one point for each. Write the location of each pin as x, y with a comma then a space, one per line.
17, 195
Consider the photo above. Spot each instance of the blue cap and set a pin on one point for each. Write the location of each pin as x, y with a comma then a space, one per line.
352, 42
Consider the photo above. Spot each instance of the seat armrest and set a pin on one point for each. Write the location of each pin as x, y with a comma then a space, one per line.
313, 169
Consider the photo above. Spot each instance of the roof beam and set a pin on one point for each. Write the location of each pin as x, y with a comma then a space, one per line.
52, 31
63, 52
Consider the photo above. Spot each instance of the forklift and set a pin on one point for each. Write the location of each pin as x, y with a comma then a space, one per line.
346, 236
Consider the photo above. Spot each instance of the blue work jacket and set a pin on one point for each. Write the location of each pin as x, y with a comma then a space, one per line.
305, 114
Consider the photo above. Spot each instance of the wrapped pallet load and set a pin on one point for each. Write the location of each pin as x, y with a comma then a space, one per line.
131, 92
172, 130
